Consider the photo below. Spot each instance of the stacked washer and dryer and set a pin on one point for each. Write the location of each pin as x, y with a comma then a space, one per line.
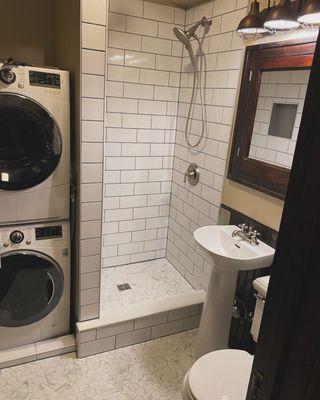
34, 204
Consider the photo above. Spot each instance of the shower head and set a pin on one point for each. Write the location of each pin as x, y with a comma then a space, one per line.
182, 36
185, 36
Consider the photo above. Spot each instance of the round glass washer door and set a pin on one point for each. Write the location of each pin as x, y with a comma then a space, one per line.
31, 286
30, 143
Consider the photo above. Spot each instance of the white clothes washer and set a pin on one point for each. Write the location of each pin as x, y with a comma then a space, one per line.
34, 283
34, 144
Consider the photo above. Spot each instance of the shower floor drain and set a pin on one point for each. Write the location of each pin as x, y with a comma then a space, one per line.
123, 286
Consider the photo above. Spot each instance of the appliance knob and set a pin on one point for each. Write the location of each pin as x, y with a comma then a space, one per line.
5, 244
7, 76
16, 237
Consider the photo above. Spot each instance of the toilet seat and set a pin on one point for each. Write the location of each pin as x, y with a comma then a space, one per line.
222, 374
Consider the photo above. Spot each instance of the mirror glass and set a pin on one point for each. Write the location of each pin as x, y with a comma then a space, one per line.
278, 115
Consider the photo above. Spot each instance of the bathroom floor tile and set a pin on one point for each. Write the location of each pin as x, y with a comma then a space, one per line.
151, 280
147, 371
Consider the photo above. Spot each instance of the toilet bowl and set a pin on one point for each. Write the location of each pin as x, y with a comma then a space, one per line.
222, 374
225, 374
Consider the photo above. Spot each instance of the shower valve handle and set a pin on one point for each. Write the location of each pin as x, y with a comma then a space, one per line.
189, 174
192, 174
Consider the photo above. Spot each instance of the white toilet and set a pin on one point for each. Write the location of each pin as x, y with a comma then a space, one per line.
225, 374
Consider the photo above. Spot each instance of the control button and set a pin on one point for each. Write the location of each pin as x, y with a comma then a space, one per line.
6, 244
20, 85
28, 242
16, 237
7, 76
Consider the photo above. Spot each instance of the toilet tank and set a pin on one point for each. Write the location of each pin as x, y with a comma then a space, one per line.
261, 286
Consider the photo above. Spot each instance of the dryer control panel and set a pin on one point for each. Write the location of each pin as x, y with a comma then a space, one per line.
35, 236
48, 232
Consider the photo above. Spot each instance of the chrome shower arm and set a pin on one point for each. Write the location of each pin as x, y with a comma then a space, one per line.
203, 22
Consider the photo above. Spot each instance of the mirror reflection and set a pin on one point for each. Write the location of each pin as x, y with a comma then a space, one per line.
278, 115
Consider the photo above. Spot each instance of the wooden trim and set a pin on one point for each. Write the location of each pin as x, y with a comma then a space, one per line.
287, 361
262, 176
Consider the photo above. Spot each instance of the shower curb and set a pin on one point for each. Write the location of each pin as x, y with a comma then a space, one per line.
139, 323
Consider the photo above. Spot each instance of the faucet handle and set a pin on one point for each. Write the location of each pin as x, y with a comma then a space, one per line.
243, 227
254, 236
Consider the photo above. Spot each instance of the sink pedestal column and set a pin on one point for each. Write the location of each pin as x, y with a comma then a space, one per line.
217, 313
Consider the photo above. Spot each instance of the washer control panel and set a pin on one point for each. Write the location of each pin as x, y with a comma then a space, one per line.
40, 236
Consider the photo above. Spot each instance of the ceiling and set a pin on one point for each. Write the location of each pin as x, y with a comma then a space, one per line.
180, 3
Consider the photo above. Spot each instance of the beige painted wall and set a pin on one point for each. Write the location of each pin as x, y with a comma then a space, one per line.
40, 32
257, 205
265, 209
24, 30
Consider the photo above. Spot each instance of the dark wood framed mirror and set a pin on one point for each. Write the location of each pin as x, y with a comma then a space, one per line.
271, 100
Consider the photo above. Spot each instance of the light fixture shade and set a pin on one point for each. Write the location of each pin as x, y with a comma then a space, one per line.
251, 26
282, 17
310, 13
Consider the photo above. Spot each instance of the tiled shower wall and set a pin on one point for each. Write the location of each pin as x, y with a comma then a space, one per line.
195, 206
144, 64
93, 54
142, 145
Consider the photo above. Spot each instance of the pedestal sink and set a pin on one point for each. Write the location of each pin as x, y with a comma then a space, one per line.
229, 255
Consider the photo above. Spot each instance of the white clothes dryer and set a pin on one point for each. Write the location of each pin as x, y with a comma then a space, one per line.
34, 144
34, 283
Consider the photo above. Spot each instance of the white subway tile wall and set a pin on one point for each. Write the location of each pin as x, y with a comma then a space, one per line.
148, 211
142, 89
93, 65
195, 206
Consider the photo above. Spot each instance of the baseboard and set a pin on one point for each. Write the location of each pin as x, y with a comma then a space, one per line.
37, 351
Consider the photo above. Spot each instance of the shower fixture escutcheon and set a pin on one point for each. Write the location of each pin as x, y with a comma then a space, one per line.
192, 174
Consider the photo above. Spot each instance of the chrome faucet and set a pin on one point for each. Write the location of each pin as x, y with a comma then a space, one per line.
247, 233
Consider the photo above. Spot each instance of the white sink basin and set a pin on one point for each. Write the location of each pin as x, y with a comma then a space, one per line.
229, 255
233, 253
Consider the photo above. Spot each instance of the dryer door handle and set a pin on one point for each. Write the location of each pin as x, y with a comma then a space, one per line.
50, 288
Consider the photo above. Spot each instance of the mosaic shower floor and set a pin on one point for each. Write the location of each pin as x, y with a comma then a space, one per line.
148, 371
151, 280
